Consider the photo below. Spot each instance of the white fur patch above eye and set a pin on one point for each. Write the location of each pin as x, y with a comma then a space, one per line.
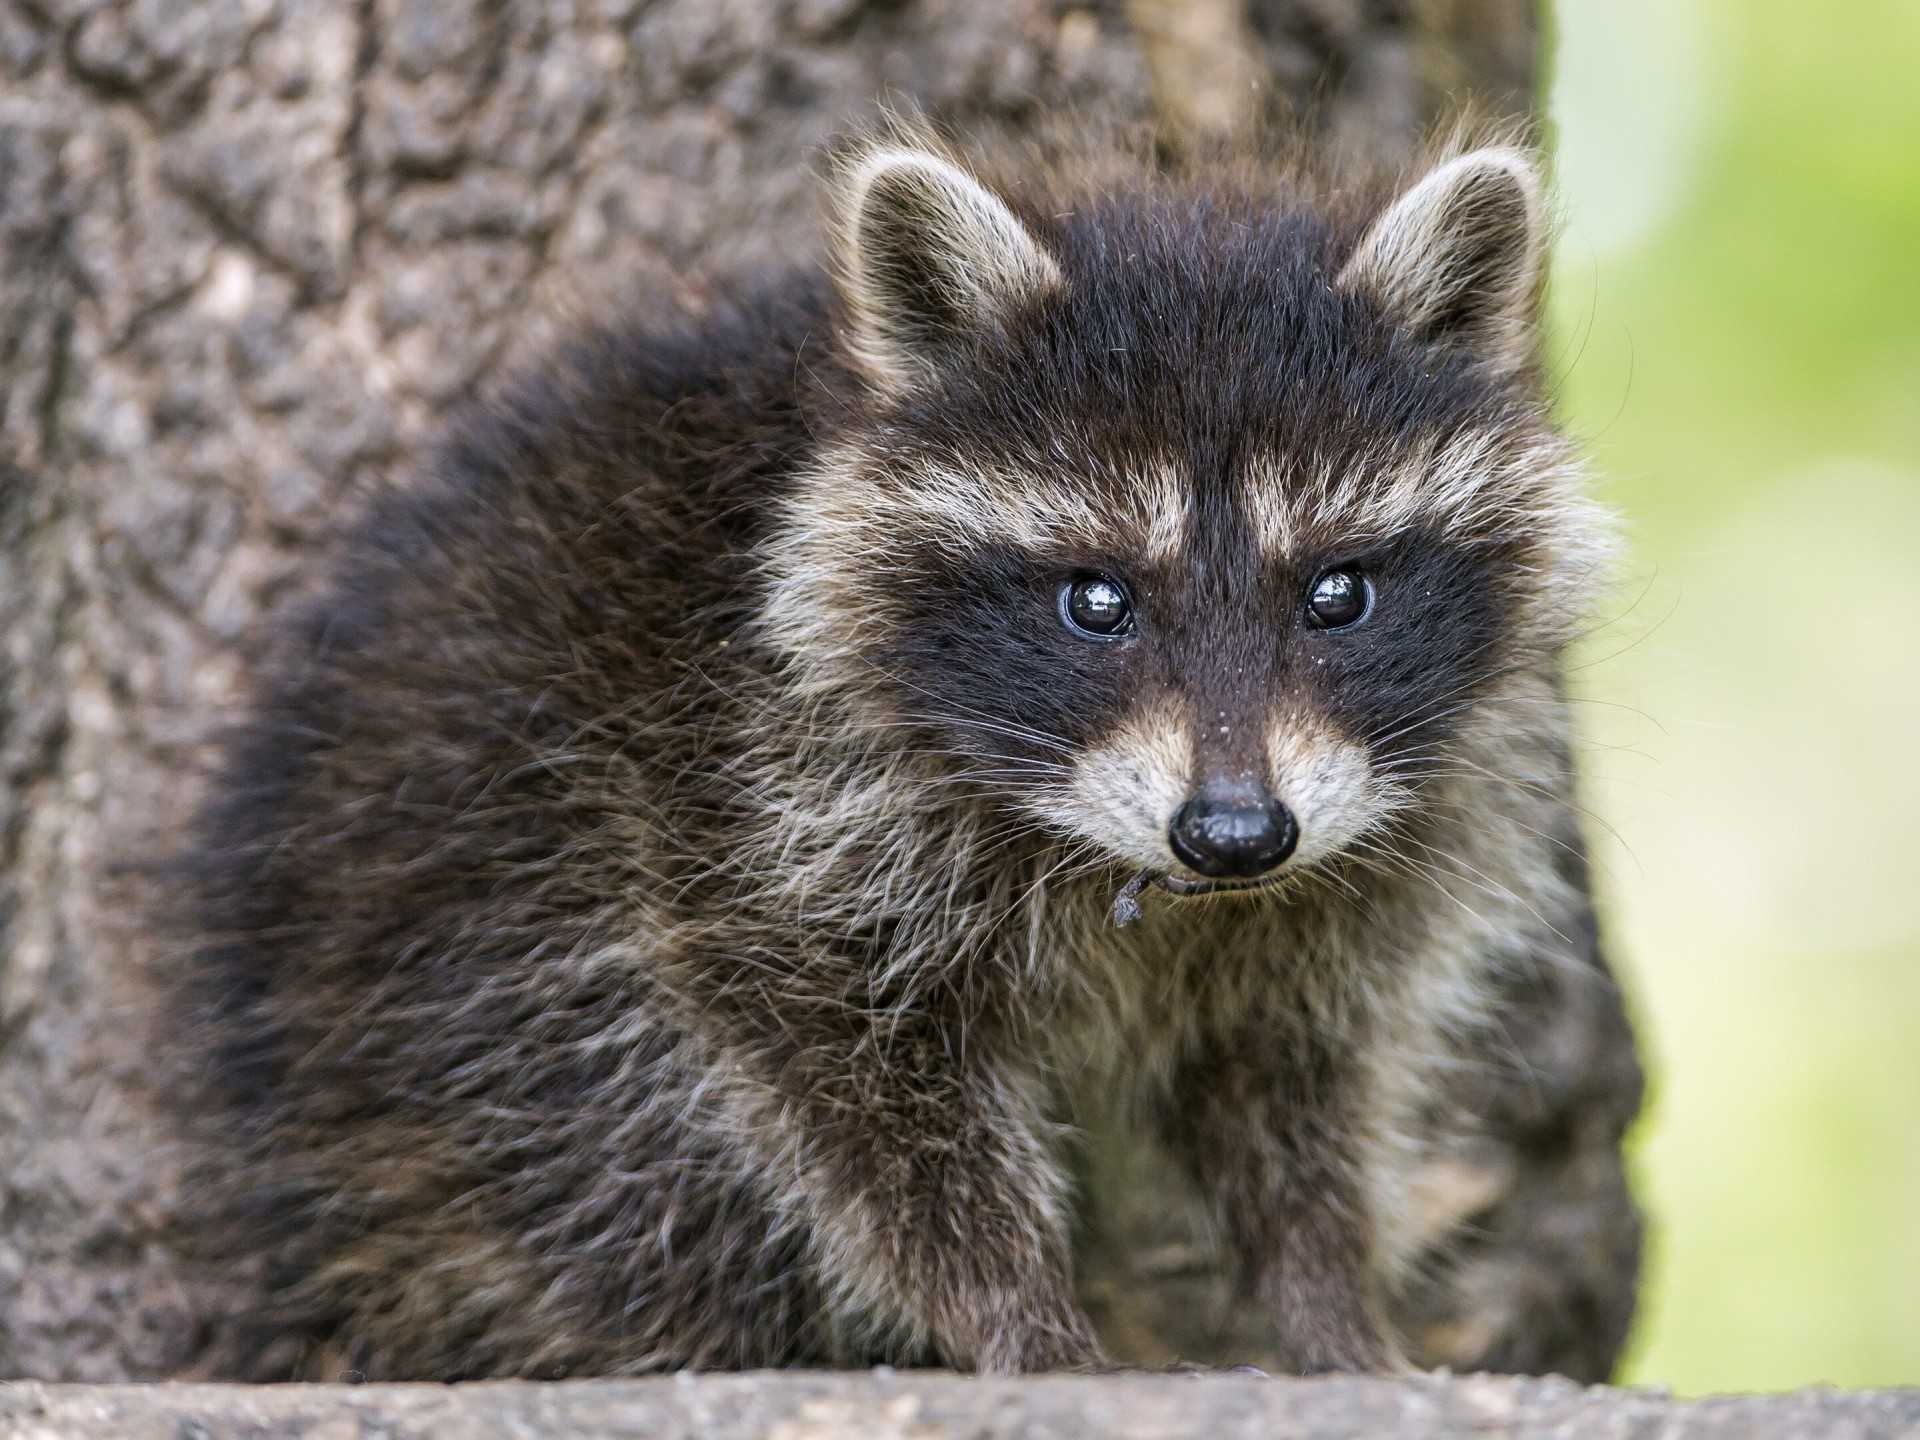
1471, 482
1162, 510
1039, 511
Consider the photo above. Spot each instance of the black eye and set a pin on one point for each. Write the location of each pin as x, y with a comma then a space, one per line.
1338, 599
1097, 606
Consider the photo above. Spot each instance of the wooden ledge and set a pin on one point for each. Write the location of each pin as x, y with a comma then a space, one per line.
934, 1406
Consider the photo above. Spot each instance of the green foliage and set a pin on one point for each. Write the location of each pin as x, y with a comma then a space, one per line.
1737, 313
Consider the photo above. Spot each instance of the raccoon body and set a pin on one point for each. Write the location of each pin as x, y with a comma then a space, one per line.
1092, 655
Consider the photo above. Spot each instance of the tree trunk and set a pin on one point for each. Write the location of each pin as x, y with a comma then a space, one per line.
256, 249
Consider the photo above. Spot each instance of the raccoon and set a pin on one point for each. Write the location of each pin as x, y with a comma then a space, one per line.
1093, 646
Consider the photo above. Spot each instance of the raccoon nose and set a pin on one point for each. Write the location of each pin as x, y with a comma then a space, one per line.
1241, 833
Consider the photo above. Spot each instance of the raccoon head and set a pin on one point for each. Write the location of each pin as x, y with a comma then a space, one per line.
1194, 523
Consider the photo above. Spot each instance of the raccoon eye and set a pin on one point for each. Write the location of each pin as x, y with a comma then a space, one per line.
1338, 599
1097, 606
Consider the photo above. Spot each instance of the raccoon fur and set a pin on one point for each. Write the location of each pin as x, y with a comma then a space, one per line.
1094, 646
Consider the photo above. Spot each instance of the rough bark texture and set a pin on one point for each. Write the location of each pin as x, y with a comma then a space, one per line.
930, 1407
252, 250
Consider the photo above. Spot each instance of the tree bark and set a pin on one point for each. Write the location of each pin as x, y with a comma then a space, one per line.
924, 1406
254, 250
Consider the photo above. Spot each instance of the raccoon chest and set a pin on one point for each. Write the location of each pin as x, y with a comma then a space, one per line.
1145, 998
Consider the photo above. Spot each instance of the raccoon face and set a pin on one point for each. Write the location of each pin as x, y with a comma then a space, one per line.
1189, 526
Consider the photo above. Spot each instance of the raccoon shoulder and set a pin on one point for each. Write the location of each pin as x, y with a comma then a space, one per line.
636, 466
552, 598
572, 531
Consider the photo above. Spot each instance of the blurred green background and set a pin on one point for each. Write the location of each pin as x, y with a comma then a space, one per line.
1737, 330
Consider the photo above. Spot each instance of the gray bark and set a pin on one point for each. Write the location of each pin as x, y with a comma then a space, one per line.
251, 251
931, 1407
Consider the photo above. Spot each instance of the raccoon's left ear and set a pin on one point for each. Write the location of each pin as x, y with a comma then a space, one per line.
928, 257
1458, 257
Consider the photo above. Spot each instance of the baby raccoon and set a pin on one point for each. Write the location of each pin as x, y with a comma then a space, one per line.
1094, 648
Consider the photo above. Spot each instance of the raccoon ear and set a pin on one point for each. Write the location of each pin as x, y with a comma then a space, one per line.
1458, 257
928, 256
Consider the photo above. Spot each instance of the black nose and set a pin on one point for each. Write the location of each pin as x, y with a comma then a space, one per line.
1233, 832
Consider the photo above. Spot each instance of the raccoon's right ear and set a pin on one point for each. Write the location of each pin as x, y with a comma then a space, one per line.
1458, 258
928, 257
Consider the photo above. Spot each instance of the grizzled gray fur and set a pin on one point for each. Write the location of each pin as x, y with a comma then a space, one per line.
1090, 654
